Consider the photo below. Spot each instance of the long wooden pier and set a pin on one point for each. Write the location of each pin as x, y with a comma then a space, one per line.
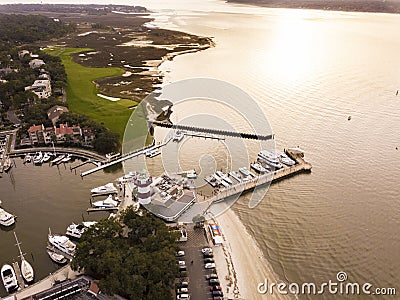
125, 157
300, 166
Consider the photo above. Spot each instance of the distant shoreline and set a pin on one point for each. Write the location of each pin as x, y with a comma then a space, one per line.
369, 6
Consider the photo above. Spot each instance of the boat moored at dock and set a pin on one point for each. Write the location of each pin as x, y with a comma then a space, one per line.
109, 188
76, 230
56, 257
26, 268
259, 168
9, 278
178, 136
6, 219
285, 159
107, 203
37, 159
62, 243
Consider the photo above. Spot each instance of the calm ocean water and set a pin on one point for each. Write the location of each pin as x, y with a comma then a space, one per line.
309, 71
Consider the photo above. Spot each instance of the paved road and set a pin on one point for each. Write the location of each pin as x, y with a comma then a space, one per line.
198, 285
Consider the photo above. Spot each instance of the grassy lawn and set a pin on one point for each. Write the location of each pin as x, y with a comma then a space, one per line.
82, 93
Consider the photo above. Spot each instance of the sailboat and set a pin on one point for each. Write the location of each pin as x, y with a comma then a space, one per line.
26, 268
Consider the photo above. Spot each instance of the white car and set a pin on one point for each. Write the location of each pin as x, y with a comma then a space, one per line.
206, 250
181, 263
183, 291
182, 297
209, 266
180, 253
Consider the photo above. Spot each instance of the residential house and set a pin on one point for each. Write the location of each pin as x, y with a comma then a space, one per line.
36, 63
88, 135
55, 112
42, 88
36, 134
65, 132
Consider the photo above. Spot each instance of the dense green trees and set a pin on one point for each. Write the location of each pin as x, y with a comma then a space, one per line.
21, 29
136, 261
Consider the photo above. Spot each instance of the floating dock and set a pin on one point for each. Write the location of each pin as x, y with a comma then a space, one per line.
17, 271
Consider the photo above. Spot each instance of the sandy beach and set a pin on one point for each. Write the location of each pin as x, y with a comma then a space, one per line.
240, 263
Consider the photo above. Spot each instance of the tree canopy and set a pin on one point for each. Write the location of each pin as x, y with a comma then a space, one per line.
135, 260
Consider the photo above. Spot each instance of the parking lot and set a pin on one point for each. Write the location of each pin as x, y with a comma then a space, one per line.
199, 288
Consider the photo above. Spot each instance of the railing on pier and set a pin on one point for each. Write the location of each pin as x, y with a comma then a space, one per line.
215, 131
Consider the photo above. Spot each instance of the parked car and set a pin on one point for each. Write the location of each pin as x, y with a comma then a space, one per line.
182, 268
217, 298
208, 254
217, 293
215, 288
184, 284
214, 282
208, 260
209, 266
182, 290
182, 297
181, 263
212, 276
206, 249
180, 253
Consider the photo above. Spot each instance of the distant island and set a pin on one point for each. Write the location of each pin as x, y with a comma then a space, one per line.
377, 6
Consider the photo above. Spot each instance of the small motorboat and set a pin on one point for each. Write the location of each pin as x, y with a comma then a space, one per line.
46, 157
57, 258
58, 159
178, 136
259, 168
6, 219
66, 158
9, 279
37, 159
27, 158
285, 159
224, 177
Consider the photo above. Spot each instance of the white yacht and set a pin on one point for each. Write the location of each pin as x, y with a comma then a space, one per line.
108, 203
224, 177
127, 177
153, 152
57, 258
178, 136
58, 159
235, 175
245, 171
259, 168
269, 158
220, 181
6, 219
285, 159
76, 230
37, 159
62, 243
46, 157
66, 158
9, 279
26, 268
109, 188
